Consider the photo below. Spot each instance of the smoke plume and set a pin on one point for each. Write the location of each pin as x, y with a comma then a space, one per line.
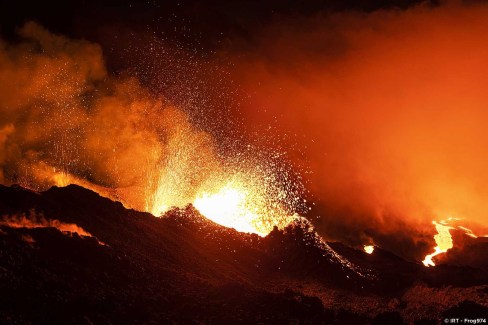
389, 113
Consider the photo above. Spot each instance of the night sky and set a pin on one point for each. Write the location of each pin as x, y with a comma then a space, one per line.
194, 24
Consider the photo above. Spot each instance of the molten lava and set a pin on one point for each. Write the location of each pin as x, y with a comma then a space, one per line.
369, 249
230, 207
241, 208
370, 137
443, 240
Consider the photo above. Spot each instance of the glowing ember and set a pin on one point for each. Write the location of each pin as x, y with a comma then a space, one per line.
369, 249
443, 240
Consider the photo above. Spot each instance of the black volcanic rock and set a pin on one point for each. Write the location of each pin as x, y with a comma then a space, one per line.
467, 309
392, 273
473, 252
300, 253
181, 268
391, 318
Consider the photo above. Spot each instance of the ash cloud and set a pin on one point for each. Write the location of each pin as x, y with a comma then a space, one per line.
389, 113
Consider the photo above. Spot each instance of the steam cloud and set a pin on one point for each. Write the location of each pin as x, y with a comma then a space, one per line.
390, 113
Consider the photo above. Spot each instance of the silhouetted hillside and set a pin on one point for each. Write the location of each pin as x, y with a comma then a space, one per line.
185, 268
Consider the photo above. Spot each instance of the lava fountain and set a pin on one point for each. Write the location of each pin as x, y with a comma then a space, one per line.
230, 207
241, 207
66, 120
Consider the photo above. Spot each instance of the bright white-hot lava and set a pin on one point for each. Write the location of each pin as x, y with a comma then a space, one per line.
443, 238
369, 249
243, 207
229, 207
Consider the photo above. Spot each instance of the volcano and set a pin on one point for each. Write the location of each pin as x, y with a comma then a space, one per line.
129, 266
255, 162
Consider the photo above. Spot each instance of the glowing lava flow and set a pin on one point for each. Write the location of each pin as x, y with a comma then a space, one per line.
443, 240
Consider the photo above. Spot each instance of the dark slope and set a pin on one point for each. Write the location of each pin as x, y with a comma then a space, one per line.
395, 274
185, 241
181, 268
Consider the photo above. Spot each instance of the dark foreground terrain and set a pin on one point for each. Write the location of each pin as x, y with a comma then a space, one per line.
184, 268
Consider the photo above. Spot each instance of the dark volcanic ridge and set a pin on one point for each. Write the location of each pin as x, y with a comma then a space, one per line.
135, 267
